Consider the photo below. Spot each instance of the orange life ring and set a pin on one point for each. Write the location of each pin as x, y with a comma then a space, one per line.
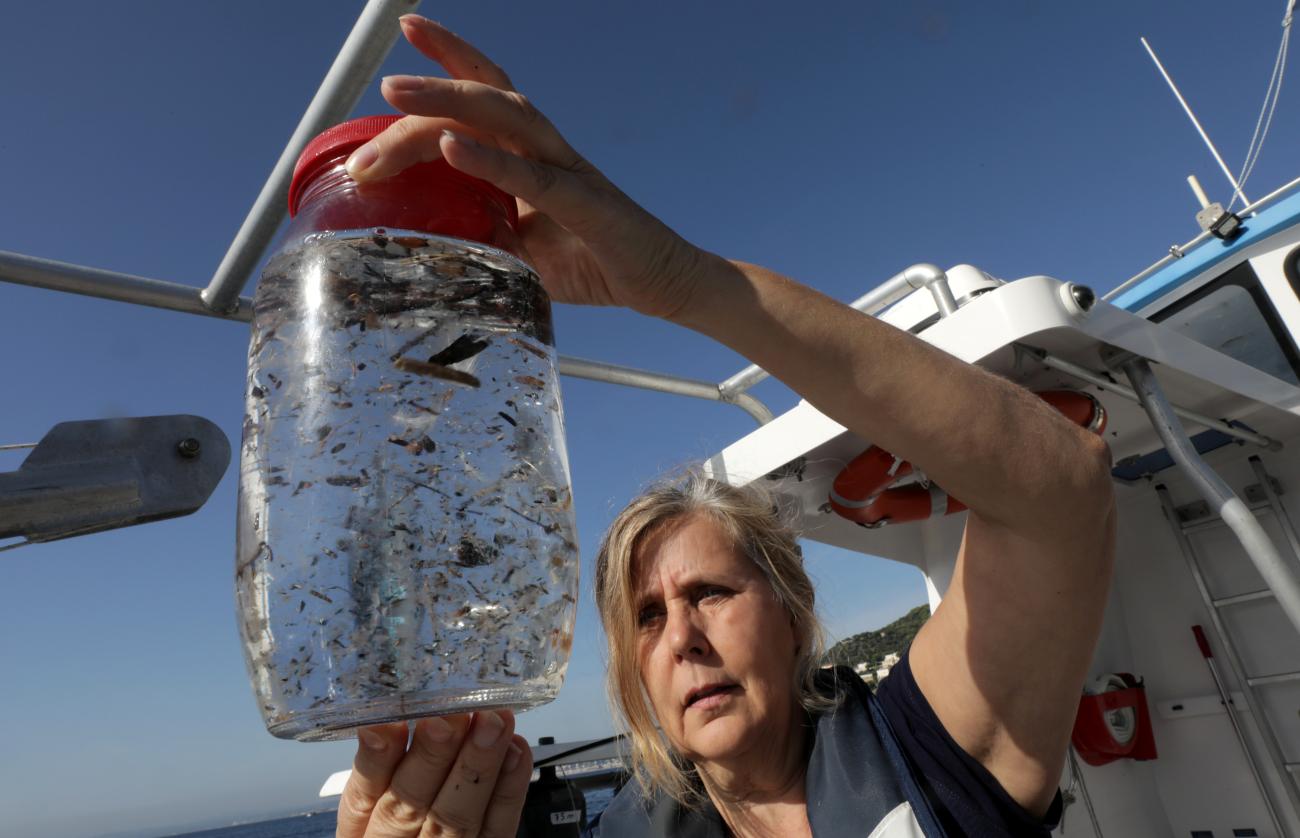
861, 491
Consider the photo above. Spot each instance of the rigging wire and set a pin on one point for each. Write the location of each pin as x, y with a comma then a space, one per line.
1265, 114
1271, 97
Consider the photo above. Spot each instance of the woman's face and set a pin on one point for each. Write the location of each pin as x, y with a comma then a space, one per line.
716, 649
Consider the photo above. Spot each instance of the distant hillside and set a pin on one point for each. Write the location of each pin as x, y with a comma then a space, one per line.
872, 646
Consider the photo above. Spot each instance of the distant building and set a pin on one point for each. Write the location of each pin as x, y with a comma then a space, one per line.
886, 665
864, 672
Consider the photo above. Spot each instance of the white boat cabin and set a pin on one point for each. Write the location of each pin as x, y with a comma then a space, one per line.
1218, 324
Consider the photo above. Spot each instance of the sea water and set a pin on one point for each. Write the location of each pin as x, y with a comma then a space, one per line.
322, 824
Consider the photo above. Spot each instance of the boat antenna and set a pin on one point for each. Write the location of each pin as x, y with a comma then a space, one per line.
1187, 108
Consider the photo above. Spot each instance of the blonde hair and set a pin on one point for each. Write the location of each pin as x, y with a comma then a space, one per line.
751, 518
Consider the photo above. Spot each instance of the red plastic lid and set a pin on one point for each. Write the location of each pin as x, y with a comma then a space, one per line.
335, 144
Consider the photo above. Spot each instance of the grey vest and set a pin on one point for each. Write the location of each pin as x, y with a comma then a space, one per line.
858, 782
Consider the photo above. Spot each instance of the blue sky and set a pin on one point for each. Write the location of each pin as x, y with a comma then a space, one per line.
837, 142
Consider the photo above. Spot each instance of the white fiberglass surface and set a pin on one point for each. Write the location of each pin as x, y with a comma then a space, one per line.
1201, 777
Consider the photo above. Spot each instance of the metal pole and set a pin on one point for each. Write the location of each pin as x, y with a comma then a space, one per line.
110, 285
1208, 654
1202, 236
1077, 776
1206, 137
898, 286
630, 377
125, 288
1278, 574
1275, 502
358, 60
1070, 368
1175, 252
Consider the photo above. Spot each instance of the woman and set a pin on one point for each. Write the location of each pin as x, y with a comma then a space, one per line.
971, 734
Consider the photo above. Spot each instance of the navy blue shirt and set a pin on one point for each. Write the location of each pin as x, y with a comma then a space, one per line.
967, 799
850, 775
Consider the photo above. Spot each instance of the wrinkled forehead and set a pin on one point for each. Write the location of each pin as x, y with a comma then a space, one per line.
646, 554
689, 544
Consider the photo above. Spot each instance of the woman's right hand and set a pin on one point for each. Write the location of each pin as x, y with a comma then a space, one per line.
461, 776
590, 243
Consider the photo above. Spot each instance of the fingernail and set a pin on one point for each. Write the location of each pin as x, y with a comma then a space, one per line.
362, 159
413, 19
403, 82
463, 139
487, 729
512, 757
437, 730
372, 740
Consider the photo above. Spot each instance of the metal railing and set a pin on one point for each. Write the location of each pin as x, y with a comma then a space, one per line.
1177, 251
354, 67
364, 51
174, 296
1102, 382
898, 286
360, 57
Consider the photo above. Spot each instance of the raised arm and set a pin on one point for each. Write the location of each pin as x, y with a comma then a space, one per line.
1003, 659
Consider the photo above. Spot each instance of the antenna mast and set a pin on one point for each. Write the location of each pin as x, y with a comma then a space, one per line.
1187, 108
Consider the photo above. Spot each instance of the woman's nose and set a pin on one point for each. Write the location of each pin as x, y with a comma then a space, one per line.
686, 636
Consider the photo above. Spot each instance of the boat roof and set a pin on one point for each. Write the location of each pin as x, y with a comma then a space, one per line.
1282, 212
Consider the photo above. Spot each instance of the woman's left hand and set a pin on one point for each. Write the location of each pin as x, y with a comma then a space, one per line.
461, 775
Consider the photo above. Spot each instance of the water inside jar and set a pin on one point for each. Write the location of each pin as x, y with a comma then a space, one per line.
407, 541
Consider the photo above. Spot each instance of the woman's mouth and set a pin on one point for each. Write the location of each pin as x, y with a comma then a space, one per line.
710, 696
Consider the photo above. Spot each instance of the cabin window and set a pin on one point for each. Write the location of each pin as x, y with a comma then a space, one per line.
1232, 315
1291, 267
1228, 320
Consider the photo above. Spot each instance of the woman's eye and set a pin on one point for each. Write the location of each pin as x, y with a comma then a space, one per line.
712, 592
648, 616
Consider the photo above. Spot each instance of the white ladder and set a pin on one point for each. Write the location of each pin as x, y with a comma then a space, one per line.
1262, 499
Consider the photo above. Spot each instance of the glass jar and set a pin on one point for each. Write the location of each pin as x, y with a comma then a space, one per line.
406, 542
